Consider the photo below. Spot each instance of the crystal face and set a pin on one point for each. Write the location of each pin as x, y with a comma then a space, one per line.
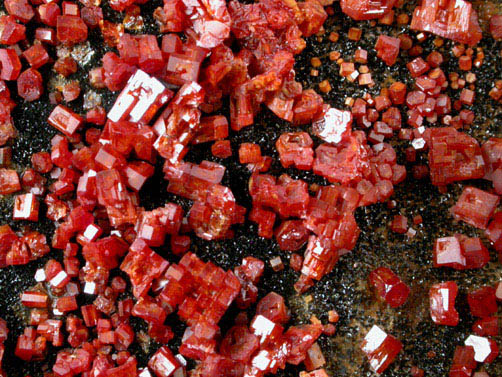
475, 207
140, 100
442, 303
388, 286
380, 348
453, 156
366, 9
65, 120
485, 350
388, 49
334, 126
452, 19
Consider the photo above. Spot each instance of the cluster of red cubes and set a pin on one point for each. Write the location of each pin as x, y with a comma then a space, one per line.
110, 230
98, 174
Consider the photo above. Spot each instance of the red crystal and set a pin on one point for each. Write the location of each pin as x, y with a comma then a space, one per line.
249, 153
26, 207
388, 286
291, 235
140, 100
30, 85
315, 358
9, 182
116, 72
66, 304
485, 350
488, 326
452, 19
442, 303
482, 302
46, 35
366, 9
399, 224
239, 344
448, 252
387, 49
380, 348
463, 362
142, 265
49, 13
32, 299
71, 29
211, 128
65, 120
295, 149
41, 162
475, 207
307, 107
92, 15
20, 9
221, 149
36, 55
301, 338
273, 307
314, 17
172, 17
10, 63
265, 220
163, 363
266, 330
65, 66
417, 67
496, 26
344, 163
10, 31
150, 59
453, 156
71, 91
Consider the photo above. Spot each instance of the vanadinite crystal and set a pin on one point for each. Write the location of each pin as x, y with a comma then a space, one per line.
453, 156
494, 233
10, 64
10, 31
460, 252
71, 29
448, 253
9, 182
485, 349
488, 326
26, 207
463, 362
475, 207
143, 266
380, 348
366, 9
442, 303
482, 302
65, 120
345, 162
164, 364
140, 99
172, 91
388, 286
453, 19
30, 85
20, 9
496, 26
333, 126
295, 149
387, 49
